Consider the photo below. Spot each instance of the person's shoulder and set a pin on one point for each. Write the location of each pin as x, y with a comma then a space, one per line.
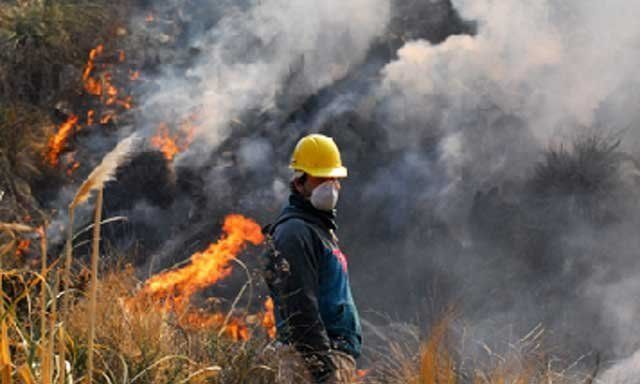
293, 226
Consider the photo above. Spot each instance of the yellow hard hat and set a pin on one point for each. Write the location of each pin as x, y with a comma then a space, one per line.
319, 156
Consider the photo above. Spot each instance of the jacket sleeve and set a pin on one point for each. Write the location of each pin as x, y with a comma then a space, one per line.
300, 311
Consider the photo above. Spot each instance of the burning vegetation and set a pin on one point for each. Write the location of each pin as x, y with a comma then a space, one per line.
170, 144
171, 291
455, 195
104, 101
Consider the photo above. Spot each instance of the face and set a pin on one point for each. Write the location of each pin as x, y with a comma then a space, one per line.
311, 182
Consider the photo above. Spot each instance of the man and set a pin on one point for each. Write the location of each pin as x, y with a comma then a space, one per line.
307, 273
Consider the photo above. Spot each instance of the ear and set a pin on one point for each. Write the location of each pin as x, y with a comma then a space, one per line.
299, 185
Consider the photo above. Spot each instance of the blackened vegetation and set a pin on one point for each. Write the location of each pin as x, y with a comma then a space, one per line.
586, 178
522, 251
545, 240
221, 184
430, 20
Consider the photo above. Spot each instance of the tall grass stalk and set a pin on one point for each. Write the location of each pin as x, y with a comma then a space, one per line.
96, 180
5, 353
46, 356
52, 322
66, 281
93, 292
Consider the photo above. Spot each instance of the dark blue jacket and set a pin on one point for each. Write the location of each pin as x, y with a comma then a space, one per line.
314, 308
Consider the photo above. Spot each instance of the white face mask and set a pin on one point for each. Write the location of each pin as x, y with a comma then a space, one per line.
325, 196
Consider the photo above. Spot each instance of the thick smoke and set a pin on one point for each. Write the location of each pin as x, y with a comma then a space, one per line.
478, 111
464, 188
257, 53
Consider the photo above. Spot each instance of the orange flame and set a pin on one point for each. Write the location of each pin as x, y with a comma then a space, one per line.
170, 145
125, 103
103, 86
361, 374
206, 267
107, 117
235, 328
199, 320
59, 140
165, 143
172, 290
95, 84
90, 116
95, 52
91, 85
73, 168
23, 246
268, 319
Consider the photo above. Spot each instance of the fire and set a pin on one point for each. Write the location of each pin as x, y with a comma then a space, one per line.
237, 330
90, 116
173, 289
268, 319
101, 86
208, 266
199, 320
93, 86
58, 141
165, 143
95, 52
170, 145
23, 246
73, 168
107, 117
125, 103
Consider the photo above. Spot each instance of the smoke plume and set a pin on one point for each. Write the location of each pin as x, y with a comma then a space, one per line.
490, 144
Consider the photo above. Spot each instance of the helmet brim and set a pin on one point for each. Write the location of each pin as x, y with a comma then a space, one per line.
335, 172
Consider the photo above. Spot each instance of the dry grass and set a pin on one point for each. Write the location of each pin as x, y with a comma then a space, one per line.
105, 171
136, 343
39, 38
436, 359
133, 344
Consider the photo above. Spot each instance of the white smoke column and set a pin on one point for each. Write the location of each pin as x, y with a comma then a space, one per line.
626, 371
536, 73
250, 52
548, 65
569, 56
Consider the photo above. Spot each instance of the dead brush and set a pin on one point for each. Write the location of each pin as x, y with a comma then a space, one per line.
131, 342
436, 360
26, 348
96, 180
137, 343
